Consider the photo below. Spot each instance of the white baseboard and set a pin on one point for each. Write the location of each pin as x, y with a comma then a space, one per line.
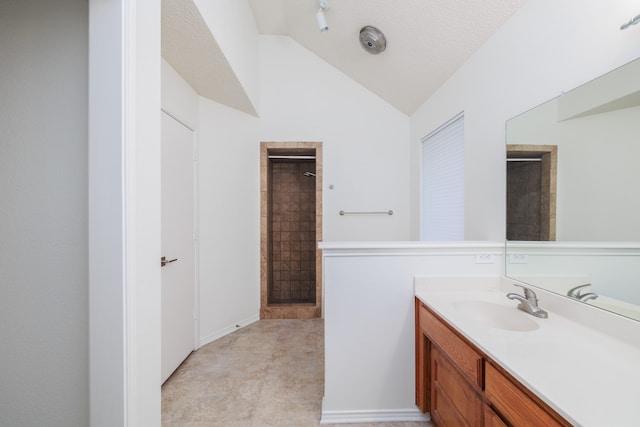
373, 416
226, 331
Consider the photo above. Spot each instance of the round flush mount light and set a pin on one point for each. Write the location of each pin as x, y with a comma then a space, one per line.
372, 40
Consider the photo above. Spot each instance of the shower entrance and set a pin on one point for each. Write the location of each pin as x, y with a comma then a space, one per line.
290, 229
531, 192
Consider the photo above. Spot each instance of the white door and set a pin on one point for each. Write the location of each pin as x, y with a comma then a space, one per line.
178, 273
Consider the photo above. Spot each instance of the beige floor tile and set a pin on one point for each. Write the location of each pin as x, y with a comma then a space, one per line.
270, 373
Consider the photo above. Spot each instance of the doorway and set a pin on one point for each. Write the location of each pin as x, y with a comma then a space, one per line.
178, 328
290, 229
531, 192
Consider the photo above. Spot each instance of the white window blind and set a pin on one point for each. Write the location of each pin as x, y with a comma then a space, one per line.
442, 199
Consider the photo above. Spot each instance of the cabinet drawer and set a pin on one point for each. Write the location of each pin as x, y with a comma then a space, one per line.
514, 405
463, 356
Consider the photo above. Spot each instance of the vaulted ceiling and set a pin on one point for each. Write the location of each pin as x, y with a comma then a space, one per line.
427, 40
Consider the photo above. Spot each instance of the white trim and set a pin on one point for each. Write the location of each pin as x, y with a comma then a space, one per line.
196, 234
374, 416
175, 117
129, 210
573, 248
574, 245
229, 329
352, 249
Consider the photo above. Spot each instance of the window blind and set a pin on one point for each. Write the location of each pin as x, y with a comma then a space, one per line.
442, 199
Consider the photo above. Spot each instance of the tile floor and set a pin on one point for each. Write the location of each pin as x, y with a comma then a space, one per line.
269, 373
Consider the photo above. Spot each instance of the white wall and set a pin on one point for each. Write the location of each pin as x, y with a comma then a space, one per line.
43, 214
370, 326
229, 165
547, 47
178, 98
365, 153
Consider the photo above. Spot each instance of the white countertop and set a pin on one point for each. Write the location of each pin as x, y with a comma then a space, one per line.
582, 372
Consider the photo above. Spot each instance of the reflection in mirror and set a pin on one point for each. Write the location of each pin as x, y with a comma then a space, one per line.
531, 192
573, 193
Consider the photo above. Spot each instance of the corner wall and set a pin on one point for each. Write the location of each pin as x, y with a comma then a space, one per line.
547, 47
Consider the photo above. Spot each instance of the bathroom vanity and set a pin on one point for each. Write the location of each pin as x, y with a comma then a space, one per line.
482, 362
460, 385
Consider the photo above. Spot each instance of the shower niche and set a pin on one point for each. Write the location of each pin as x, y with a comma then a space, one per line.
291, 227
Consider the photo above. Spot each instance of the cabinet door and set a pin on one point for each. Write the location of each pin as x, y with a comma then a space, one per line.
514, 404
454, 402
463, 355
491, 419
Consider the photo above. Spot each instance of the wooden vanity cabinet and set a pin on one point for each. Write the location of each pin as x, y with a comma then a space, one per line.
460, 386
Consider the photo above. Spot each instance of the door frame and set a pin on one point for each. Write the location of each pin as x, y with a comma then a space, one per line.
287, 311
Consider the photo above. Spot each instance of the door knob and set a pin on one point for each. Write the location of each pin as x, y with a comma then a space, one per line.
164, 261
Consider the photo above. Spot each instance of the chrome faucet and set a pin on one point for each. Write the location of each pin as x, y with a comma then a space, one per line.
576, 293
528, 302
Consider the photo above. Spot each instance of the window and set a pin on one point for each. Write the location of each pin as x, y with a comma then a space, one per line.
442, 198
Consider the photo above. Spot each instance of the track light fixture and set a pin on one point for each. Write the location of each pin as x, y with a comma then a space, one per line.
322, 22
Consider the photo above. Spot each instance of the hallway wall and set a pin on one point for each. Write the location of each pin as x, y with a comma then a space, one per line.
43, 214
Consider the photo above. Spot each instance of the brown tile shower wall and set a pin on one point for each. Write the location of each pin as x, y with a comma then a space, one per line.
293, 233
524, 203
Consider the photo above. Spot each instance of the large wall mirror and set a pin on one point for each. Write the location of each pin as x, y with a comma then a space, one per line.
573, 193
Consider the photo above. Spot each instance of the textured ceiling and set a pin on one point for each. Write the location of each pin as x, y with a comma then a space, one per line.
189, 46
427, 40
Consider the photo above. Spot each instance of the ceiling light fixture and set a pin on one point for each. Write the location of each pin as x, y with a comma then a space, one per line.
322, 22
632, 21
372, 40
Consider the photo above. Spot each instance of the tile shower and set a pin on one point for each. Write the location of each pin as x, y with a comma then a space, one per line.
293, 233
290, 229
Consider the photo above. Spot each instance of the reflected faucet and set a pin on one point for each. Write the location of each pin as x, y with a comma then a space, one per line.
528, 302
576, 293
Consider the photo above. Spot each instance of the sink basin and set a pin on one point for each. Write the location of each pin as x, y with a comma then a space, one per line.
496, 316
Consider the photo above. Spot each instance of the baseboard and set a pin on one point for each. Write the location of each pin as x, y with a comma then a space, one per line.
373, 416
226, 331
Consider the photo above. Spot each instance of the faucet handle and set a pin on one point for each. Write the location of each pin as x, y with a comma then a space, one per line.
576, 292
528, 293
